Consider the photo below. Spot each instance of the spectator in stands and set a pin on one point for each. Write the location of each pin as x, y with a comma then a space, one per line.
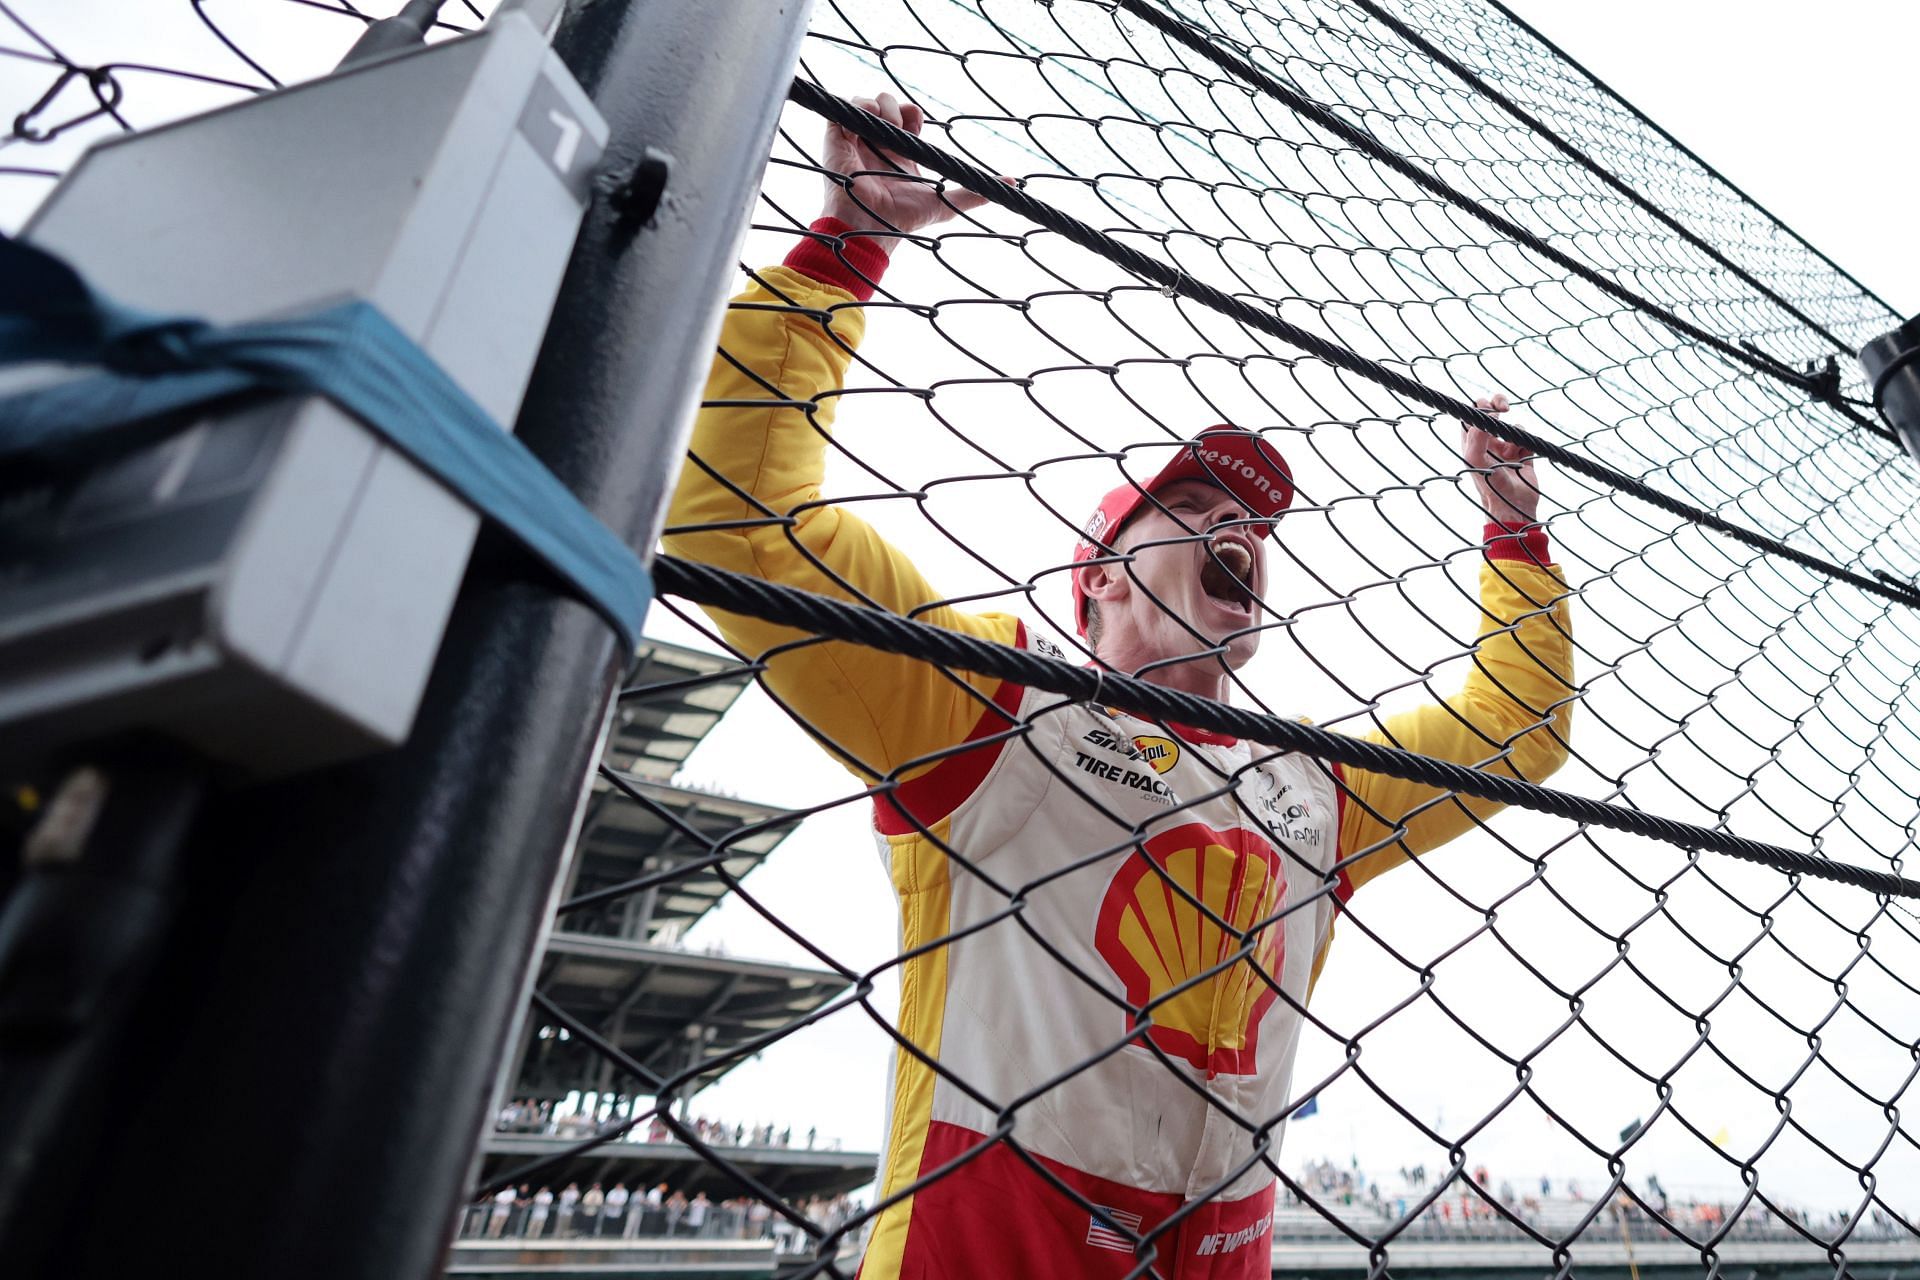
787, 1237
542, 1210
502, 1210
697, 1213
569, 1199
647, 1215
590, 1210
613, 1212
676, 1212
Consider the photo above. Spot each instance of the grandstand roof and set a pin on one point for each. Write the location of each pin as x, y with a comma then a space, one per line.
672, 699
665, 1007
624, 839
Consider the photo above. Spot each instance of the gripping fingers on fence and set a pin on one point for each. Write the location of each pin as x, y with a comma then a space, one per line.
877, 190
1503, 472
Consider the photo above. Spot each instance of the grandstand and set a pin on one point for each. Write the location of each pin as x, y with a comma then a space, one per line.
613, 962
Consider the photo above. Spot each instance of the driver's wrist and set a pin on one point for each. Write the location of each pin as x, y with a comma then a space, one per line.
1517, 540
841, 255
854, 218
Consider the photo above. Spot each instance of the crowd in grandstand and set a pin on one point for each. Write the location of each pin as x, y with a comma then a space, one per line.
1475, 1205
651, 1213
1478, 1206
544, 1117
646, 1213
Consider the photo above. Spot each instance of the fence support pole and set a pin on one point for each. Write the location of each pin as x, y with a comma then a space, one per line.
312, 1063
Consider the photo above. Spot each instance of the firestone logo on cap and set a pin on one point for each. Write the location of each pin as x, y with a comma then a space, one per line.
1262, 481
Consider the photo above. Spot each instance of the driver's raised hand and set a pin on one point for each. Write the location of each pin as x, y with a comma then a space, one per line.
885, 192
1503, 472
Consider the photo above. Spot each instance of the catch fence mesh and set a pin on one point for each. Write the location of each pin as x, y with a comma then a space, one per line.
1338, 224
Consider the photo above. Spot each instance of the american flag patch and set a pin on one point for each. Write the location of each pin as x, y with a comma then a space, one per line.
1101, 1236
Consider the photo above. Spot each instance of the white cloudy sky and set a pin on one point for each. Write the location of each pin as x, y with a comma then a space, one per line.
1792, 104
1786, 107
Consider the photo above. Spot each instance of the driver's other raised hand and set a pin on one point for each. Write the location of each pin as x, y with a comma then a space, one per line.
1503, 473
881, 191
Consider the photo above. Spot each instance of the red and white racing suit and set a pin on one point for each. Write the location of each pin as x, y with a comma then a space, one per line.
1107, 831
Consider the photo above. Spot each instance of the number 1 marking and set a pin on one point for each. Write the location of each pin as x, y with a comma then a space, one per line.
569, 144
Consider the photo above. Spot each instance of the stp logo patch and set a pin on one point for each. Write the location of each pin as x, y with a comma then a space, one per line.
1152, 932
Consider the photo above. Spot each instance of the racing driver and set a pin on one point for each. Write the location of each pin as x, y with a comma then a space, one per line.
1111, 924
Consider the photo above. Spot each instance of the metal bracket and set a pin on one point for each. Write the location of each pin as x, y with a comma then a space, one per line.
637, 197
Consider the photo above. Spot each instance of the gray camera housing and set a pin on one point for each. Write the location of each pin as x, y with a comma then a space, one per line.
271, 583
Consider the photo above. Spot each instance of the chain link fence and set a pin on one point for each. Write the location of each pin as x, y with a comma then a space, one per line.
1121, 851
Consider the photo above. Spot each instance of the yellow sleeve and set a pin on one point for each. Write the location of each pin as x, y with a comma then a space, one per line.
1513, 716
749, 500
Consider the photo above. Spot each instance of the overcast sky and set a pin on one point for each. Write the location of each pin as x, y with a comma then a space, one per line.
1802, 107
1781, 103
1799, 105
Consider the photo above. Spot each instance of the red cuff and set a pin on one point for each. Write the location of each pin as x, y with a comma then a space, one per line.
1517, 542
855, 263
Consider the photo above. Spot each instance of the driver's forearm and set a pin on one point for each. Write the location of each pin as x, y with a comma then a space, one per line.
748, 500
1513, 716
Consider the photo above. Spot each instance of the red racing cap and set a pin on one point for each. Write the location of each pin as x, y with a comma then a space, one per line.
1239, 461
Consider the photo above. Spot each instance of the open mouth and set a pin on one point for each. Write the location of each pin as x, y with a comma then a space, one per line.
1227, 574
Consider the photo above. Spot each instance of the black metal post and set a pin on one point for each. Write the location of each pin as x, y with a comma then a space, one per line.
1892, 365
93, 905
307, 1078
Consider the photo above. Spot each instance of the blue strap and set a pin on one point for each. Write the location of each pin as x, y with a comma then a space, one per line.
353, 355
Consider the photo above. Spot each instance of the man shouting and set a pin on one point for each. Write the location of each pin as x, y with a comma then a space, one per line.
1111, 925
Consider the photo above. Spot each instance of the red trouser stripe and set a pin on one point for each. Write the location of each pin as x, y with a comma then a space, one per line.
995, 1217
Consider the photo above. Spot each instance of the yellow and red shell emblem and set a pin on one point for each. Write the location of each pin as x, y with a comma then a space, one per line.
1157, 939
1161, 754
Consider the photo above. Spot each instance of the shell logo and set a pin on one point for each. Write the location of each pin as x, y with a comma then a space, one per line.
1157, 940
1161, 753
